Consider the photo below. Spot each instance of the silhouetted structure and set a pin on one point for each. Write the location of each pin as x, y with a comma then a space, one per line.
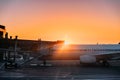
2, 29
24, 45
6, 35
1, 26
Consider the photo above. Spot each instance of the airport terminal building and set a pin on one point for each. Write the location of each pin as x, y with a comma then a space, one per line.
33, 46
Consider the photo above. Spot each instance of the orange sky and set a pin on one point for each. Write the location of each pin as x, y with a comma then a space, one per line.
76, 21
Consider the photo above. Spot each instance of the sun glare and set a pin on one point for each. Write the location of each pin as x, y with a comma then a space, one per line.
66, 43
67, 40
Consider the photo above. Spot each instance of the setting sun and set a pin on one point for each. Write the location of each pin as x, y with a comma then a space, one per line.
66, 43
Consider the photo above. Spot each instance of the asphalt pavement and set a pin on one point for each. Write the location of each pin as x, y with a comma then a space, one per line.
61, 72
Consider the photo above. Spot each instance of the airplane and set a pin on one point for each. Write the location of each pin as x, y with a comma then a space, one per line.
87, 54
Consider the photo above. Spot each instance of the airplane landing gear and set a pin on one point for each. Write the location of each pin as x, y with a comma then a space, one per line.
104, 63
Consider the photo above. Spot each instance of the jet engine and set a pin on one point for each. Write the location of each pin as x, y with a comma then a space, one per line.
87, 59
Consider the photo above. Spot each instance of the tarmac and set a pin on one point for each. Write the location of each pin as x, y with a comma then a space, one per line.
61, 70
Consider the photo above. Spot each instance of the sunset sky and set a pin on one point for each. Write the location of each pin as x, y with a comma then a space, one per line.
76, 21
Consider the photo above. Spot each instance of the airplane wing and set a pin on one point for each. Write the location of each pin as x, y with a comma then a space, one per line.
107, 53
